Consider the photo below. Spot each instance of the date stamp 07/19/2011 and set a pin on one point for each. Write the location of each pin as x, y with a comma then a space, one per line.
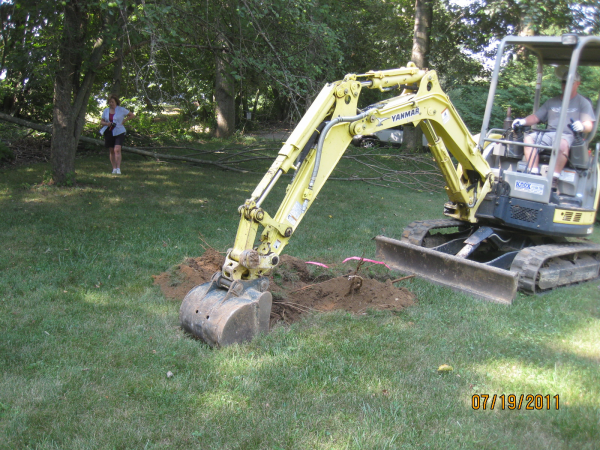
529, 402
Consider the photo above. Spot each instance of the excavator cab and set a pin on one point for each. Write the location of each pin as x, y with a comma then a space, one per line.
503, 148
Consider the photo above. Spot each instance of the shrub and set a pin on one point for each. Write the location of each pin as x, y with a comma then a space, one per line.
6, 153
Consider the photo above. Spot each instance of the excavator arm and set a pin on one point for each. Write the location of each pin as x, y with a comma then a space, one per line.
233, 306
323, 135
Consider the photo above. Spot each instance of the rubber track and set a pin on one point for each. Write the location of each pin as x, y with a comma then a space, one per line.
529, 261
416, 231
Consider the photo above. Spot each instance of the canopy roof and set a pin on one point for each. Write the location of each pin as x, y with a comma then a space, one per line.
552, 51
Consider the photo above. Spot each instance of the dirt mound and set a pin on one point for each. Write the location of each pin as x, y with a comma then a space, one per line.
295, 291
177, 282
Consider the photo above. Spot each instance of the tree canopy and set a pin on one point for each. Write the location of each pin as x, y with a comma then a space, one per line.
224, 61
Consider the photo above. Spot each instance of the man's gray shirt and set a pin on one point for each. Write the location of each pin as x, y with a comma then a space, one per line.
580, 108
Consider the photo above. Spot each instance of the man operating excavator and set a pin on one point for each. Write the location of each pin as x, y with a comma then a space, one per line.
581, 119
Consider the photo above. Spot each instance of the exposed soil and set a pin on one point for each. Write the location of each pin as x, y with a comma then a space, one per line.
295, 291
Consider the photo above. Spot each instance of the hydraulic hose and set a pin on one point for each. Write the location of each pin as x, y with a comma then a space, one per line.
322, 137
328, 127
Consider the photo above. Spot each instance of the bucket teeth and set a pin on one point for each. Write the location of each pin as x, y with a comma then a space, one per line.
223, 317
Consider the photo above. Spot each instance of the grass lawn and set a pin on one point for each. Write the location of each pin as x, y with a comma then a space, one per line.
86, 339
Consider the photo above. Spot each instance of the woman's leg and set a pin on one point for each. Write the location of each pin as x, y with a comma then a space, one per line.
111, 153
117, 156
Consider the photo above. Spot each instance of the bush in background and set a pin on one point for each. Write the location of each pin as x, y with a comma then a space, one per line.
6, 153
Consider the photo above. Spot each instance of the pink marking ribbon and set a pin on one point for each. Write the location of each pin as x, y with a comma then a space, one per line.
365, 259
317, 264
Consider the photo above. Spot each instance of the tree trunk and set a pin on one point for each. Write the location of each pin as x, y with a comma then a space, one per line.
525, 25
72, 90
422, 31
118, 71
64, 142
413, 136
224, 96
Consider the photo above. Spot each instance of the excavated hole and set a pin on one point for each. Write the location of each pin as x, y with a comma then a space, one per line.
298, 288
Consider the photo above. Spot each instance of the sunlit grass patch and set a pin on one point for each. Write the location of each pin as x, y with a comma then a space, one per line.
582, 342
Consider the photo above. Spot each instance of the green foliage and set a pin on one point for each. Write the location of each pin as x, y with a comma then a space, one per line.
47, 177
11, 131
590, 80
281, 52
470, 102
95, 107
27, 59
6, 154
488, 20
70, 179
168, 128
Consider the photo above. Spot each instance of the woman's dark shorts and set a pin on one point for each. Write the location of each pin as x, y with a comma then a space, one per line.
110, 141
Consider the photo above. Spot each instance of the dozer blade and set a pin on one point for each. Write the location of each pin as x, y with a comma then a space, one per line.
477, 279
222, 317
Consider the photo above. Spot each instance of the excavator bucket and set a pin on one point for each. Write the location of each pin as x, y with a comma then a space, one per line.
477, 279
222, 317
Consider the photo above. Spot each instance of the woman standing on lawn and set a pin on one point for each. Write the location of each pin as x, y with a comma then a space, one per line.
112, 121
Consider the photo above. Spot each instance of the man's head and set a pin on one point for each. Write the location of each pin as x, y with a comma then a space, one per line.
576, 82
566, 75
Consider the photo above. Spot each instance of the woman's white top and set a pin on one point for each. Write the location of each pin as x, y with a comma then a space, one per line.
120, 114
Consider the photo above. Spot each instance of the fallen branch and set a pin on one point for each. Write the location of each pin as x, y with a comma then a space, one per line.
417, 172
297, 306
290, 306
305, 287
158, 156
403, 278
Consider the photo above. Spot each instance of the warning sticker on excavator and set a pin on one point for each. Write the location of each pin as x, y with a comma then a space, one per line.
532, 188
445, 115
294, 215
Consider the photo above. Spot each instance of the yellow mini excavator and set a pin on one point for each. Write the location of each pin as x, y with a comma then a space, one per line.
506, 228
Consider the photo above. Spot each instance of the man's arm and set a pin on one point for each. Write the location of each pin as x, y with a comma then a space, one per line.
581, 127
531, 119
